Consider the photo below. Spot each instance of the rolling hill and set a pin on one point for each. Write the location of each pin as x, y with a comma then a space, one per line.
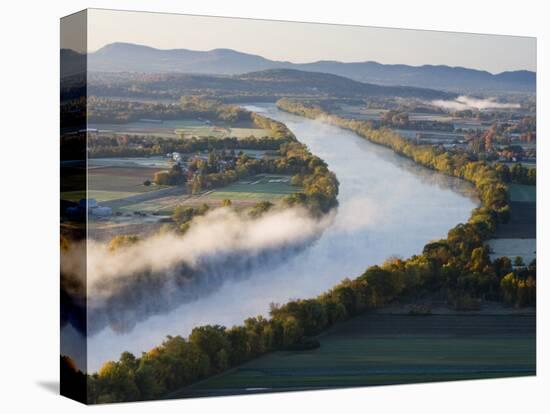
269, 84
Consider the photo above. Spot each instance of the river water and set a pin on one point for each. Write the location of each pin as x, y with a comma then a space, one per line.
388, 206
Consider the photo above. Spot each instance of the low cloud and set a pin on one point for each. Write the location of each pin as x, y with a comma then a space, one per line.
465, 102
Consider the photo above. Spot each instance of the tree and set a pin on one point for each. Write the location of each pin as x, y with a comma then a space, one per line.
502, 266
161, 178
260, 208
292, 331
146, 382
479, 259
122, 241
518, 261
183, 214
119, 380
212, 339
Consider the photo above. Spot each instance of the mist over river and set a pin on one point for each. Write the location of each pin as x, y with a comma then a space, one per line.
388, 206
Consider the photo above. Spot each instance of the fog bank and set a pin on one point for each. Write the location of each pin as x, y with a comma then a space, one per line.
465, 102
161, 272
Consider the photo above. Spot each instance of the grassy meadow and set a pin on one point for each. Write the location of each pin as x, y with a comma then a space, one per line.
391, 349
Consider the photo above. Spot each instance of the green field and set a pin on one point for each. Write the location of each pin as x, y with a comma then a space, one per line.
380, 349
523, 193
246, 132
221, 132
260, 187
188, 127
161, 205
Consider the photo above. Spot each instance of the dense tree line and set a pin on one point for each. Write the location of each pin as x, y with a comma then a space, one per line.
149, 146
517, 174
458, 265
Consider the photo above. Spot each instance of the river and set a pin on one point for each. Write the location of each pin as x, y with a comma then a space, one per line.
388, 206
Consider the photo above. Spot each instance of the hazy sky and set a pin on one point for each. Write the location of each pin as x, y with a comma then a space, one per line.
307, 42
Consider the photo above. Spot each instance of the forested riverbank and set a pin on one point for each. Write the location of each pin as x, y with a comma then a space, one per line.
468, 273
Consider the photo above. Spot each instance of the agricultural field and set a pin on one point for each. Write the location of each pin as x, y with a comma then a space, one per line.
523, 163
252, 153
390, 349
522, 193
360, 112
163, 204
523, 214
111, 183
157, 162
183, 128
517, 237
120, 225
243, 193
116, 178
247, 132
258, 188
512, 248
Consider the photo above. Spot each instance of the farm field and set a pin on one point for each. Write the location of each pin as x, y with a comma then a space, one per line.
522, 193
246, 132
242, 193
373, 114
441, 135
517, 237
260, 187
420, 116
511, 248
250, 152
360, 112
523, 214
185, 128
390, 349
523, 163
134, 162
113, 179
161, 205
111, 183
106, 230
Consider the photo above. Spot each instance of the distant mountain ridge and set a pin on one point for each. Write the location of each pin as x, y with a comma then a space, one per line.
127, 57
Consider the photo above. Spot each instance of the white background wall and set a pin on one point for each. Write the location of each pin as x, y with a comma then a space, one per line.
29, 151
